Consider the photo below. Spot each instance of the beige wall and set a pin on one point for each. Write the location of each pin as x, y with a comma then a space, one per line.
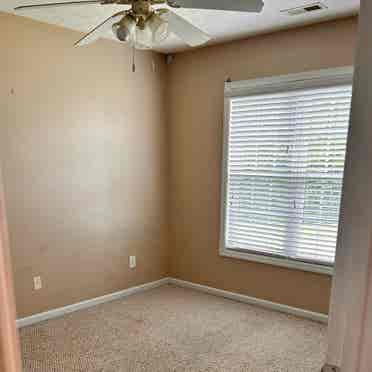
195, 95
82, 145
83, 142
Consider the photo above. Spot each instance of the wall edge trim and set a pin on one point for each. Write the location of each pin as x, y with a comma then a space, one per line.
61, 311
56, 313
302, 313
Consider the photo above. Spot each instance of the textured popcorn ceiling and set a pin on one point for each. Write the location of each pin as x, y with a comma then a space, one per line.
222, 26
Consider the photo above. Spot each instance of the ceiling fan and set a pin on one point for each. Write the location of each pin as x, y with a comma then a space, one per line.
145, 25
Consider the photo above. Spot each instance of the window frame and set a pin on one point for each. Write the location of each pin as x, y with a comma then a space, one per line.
325, 77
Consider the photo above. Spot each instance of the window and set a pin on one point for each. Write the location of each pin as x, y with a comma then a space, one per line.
284, 153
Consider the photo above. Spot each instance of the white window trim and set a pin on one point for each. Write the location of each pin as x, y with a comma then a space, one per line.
341, 75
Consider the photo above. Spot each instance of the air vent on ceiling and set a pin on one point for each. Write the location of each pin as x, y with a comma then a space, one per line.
308, 8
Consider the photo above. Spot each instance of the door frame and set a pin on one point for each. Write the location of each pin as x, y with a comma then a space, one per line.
9, 341
350, 319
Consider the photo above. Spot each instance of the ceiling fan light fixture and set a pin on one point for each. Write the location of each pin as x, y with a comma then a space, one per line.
124, 29
159, 28
142, 37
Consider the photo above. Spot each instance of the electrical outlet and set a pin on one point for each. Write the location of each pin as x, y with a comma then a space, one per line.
37, 283
132, 262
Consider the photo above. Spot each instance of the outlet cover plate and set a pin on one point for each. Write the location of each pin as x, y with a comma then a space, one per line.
132, 262
37, 283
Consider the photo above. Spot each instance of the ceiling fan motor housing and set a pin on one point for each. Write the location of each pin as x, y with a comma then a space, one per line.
142, 7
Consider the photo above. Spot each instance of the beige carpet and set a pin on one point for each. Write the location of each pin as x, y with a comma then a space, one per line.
174, 329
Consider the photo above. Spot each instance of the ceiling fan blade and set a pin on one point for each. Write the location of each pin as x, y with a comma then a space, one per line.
53, 5
97, 31
189, 33
254, 6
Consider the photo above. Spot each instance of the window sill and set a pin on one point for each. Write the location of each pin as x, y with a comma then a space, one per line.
282, 262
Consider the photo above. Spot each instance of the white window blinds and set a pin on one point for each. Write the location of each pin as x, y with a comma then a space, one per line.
285, 161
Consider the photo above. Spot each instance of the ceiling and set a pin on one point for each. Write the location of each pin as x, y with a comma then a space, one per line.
222, 26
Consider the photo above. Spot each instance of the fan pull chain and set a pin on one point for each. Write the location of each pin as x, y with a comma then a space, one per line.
134, 57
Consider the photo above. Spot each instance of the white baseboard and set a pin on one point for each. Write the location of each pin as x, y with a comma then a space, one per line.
37, 318
323, 318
